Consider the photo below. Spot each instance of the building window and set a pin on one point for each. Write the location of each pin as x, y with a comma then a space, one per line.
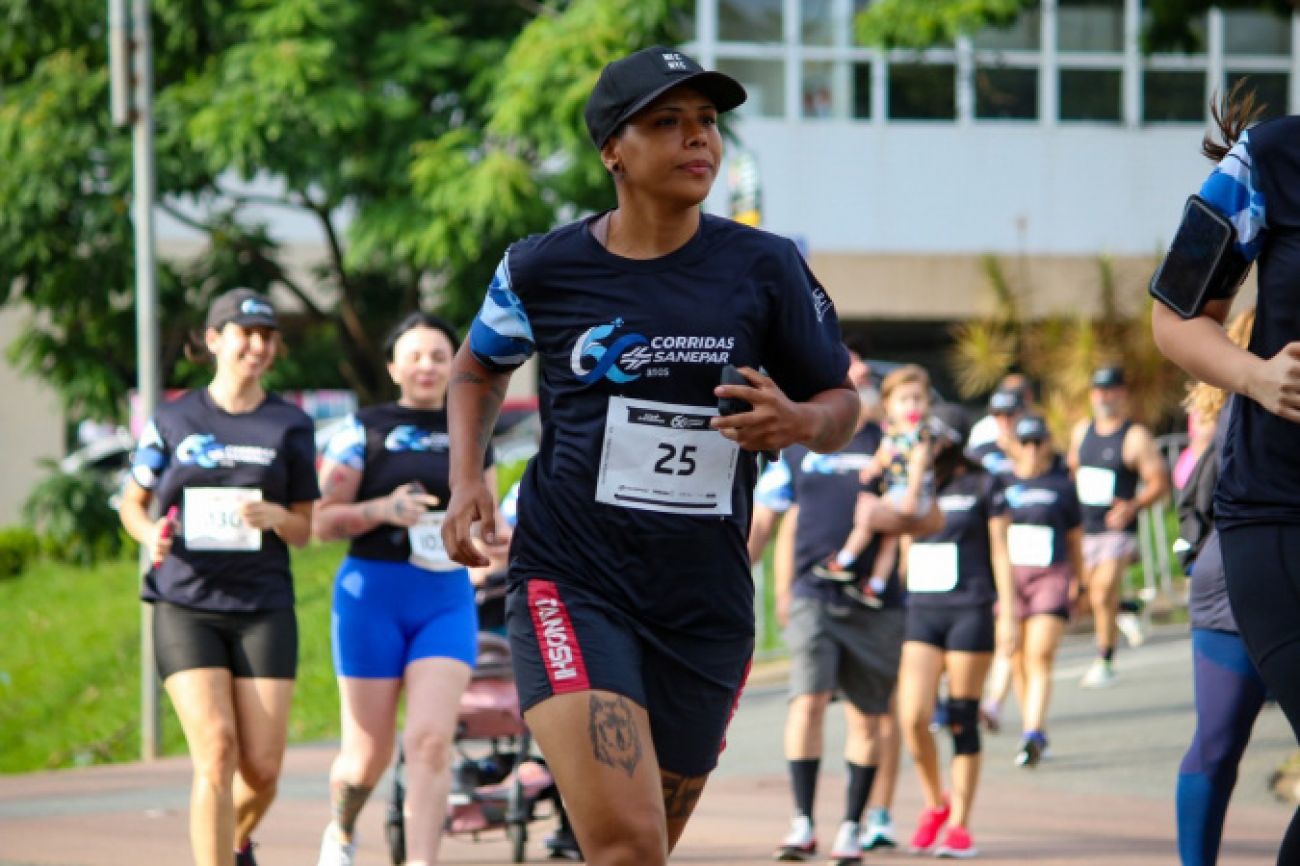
818, 79
1090, 25
1020, 35
1091, 94
1006, 93
1173, 97
1255, 32
749, 20
862, 90
922, 91
763, 80
817, 22
1271, 89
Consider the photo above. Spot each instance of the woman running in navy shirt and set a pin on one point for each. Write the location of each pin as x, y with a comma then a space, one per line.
403, 612
1257, 502
231, 469
630, 608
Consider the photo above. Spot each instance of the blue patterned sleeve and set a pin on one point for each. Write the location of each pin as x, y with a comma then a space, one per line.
150, 459
501, 337
1230, 189
775, 488
347, 446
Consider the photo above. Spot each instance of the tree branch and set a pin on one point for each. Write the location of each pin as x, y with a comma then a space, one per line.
183, 218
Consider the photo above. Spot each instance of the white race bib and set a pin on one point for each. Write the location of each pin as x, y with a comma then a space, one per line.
932, 567
1095, 486
211, 519
665, 457
1030, 545
427, 550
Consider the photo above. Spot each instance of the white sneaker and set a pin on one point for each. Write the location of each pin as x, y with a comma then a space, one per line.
846, 848
879, 832
1130, 625
334, 851
1099, 676
800, 843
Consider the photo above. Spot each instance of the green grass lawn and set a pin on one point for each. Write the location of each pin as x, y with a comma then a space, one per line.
70, 662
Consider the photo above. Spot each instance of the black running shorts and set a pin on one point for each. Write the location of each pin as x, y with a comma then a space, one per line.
955, 629
566, 639
258, 644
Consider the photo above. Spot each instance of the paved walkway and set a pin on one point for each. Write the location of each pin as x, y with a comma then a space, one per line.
1106, 796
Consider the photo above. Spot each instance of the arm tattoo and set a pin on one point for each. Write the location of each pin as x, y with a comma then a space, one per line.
348, 800
489, 403
681, 793
614, 737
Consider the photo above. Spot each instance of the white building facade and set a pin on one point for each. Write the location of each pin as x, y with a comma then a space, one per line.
1048, 144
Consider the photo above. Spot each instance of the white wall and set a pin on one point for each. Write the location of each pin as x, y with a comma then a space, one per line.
1028, 189
31, 427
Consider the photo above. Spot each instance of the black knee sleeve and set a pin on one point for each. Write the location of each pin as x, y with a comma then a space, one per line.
964, 722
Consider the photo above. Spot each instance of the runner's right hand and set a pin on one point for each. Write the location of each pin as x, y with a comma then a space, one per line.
160, 539
406, 504
471, 504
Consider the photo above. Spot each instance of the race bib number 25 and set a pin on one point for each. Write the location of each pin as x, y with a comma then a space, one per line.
665, 457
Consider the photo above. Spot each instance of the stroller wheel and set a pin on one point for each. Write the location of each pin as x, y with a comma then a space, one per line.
518, 834
396, 833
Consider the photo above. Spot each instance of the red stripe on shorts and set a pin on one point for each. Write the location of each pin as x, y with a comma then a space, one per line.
735, 703
557, 643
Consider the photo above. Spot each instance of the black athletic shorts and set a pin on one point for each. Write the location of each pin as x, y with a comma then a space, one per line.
259, 644
567, 639
956, 629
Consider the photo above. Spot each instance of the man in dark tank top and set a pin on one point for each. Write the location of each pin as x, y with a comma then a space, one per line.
1118, 471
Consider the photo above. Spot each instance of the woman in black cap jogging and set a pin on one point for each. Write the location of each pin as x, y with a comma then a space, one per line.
231, 471
1248, 211
630, 608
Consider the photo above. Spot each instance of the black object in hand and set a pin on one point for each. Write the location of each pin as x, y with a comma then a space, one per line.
732, 405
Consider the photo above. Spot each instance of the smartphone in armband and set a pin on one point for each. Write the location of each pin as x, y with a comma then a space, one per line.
1202, 263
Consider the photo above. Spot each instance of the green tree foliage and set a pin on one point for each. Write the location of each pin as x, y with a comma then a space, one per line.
416, 137
925, 23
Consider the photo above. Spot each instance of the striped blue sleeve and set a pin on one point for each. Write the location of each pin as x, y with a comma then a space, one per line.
347, 446
501, 336
775, 488
1230, 189
150, 459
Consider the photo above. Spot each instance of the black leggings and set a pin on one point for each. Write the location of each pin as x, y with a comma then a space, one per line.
1262, 563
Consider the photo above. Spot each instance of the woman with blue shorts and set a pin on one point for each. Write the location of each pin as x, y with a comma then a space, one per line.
403, 612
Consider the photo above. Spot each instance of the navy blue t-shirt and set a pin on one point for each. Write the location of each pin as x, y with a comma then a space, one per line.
1047, 502
392, 445
967, 501
631, 494
1257, 186
826, 488
192, 446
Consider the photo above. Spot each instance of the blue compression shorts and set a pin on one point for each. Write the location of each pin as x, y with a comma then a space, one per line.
388, 614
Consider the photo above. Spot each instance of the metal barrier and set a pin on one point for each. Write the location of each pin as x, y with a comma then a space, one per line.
1153, 534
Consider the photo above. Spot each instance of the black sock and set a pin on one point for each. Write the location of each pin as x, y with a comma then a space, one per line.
803, 778
1108, 653
860, 780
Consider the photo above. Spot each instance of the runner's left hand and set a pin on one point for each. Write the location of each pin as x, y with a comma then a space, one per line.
1121, 514
262, 515
774, 422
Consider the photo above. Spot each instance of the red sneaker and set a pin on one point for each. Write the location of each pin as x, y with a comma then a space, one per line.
928, 827
957, 844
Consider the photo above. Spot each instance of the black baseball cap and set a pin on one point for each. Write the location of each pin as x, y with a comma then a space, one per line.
1108, 377
244, 307
631, 83
1006, 401
1031, 427
952, 422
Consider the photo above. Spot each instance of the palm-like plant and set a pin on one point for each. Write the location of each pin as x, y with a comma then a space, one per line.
1061, 351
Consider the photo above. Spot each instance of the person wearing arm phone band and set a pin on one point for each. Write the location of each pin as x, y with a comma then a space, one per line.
1248, 212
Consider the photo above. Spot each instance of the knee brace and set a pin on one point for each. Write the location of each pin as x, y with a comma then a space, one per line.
964, 722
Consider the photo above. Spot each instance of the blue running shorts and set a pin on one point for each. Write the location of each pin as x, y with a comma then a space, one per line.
388, 614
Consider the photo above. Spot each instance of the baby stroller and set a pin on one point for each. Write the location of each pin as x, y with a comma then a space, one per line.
497, 782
